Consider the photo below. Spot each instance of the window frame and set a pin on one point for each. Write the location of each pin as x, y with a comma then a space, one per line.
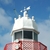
27, 34
15, 35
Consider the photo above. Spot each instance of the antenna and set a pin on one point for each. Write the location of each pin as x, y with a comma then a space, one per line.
16, 14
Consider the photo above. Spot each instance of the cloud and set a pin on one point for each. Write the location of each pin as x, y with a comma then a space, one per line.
1, 48
44, 36
6, 1
48, 8
5, 24
4, 40
5, 20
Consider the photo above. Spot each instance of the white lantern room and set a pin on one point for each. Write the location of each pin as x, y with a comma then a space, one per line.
24, 28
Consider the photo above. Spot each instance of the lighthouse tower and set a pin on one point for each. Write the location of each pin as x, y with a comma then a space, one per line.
25, 34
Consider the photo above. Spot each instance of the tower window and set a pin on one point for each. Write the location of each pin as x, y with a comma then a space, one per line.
28, 34
18, 35
35, 36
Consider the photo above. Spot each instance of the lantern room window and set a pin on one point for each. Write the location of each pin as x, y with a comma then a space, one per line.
18, 35
27, 34
35, 36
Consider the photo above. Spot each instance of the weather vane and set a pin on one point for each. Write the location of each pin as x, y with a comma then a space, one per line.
25, 9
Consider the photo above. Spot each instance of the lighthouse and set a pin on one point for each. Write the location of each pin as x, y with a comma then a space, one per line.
25, 34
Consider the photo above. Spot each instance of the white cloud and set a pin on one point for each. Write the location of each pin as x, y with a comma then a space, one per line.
5, 20
4, 40
6, 1
1, 48
5, 23
44, 36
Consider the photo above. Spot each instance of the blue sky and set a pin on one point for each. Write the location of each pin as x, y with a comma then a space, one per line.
39, 8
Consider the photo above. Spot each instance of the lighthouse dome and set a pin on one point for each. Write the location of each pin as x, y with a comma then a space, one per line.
25, 21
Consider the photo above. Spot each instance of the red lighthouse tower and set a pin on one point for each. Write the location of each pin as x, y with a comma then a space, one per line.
25, 34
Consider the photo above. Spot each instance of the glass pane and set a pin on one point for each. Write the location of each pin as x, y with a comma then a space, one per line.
18, 35
35, 36
28, 34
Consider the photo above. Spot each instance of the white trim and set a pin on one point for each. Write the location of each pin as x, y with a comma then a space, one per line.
27, 29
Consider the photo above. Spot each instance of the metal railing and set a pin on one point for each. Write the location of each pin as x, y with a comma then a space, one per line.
25, 45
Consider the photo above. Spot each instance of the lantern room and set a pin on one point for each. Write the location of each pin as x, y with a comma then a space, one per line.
25, 28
